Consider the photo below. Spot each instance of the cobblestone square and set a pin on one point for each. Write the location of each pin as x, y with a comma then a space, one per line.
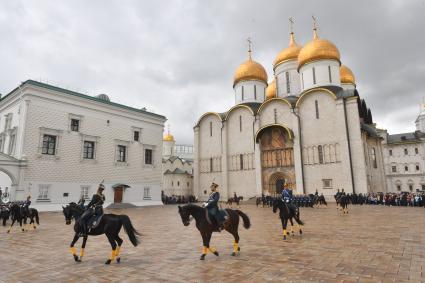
370, 244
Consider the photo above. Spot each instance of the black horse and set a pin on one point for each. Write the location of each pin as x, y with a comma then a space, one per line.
4, 213
110, 225
320, 201
32, 214
343, 202
16, 216
206, 227
286, 214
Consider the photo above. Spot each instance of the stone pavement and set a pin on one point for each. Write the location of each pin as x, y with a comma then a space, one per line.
371, 244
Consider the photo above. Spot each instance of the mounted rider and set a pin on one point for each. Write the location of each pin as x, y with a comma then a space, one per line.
25, 206
93, 208
212, 206
81, 202
287, 198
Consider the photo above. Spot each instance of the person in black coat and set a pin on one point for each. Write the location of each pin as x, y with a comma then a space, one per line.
94, 207
212, 205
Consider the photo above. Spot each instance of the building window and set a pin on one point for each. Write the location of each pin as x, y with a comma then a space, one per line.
390, 152
255, 92
423, 187
406, 168
8, 121
327, 183
172, 183
241, 161
240, 123
243, 93
398, 188
394, 169
1, 145
147, 193
75, 125
136, 136
178, 183
302, 79
210, 129
411, 188
330, 74
275, 115
43, 192
188, 184
416, 150
316, 104
121, 153
85, 192
374, 163
211, 164
320, 151
49, 145
148, 156
288, 86
417, 167
314, 75
88, 150
406, 152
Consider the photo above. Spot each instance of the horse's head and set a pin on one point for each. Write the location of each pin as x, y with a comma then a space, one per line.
275, 204
67, 213
184, 214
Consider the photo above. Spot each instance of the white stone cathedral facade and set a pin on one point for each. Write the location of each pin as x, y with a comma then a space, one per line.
308, 127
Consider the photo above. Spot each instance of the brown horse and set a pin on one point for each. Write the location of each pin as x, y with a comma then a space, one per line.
206, 228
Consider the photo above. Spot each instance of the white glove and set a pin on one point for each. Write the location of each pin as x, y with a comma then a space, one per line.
205, 204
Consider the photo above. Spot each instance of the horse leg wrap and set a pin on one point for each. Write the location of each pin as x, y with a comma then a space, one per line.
235, 247
81, 253
284, 232
10, 228
73, 250
112, 255
117, 251
204, 250
211, 249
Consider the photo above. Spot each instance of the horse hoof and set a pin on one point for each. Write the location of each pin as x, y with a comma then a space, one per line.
202, 257
216, 253
284, 238
239, 249
108, 261
118, 259
76, 258
301, 232
233, 254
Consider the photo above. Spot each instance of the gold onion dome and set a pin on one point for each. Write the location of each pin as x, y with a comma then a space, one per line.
271, 90
250, 70
318, 49
168, 137
289, 53
347, 76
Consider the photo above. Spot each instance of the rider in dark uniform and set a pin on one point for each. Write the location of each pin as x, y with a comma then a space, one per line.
287, 198
212, 205
25, 206
81, 202
93, 208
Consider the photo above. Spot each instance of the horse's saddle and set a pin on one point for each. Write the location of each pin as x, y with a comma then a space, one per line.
221, 214
94, 221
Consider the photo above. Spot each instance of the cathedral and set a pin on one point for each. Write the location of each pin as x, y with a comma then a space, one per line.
307, 127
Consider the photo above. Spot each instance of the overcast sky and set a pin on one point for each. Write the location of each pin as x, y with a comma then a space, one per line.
177, 58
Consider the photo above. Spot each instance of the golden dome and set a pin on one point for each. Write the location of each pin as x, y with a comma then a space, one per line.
347, 76
250, 70
271, 90
318, 49
289, 53
168, 137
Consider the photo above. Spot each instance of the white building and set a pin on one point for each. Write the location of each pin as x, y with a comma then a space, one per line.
404, 156
308, 127
177, 167
57, 145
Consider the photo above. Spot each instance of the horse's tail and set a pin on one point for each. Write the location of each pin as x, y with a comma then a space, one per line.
37, 219
245, 218
130, 230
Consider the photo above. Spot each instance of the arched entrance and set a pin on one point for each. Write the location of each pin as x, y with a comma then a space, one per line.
5, 186
277, 158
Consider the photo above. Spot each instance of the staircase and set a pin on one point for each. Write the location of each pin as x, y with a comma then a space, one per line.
120, 205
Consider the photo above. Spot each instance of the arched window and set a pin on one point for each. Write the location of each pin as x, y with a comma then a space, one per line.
330, 74
178, 183
210, 129
314, 75
211, 164
320, 151
316, 105
374, 163
288, 83
240, 123
255, 92
243, 94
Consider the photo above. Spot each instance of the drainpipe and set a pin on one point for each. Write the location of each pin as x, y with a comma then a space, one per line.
349, 144
301, 148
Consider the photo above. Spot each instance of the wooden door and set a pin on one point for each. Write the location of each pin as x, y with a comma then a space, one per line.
118, 195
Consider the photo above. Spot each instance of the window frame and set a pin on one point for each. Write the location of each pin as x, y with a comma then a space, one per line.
119, 155
316, 106
43, 192
86, 152
147, 156
73, 127
45, 147
324, 181
147, 193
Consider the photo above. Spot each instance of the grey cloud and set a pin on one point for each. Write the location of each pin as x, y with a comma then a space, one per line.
177, 58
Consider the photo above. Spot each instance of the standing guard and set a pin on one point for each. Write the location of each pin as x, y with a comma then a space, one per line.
93, 208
